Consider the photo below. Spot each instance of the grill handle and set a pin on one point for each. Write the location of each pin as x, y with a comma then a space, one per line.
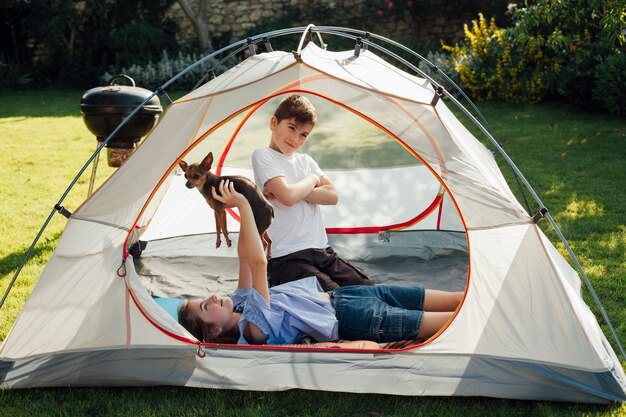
121, 76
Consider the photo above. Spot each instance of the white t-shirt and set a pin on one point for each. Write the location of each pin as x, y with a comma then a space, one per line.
295, 227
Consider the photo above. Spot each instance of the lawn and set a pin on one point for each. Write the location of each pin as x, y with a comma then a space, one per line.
574, 160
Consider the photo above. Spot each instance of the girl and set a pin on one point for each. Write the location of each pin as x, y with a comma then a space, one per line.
287, 313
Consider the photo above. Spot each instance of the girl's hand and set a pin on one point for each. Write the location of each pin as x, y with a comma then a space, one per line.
268, 196
229, 197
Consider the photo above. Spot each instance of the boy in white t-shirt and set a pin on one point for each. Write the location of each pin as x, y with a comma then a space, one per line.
296, 187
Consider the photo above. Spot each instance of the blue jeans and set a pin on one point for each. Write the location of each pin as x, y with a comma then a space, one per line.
381, 313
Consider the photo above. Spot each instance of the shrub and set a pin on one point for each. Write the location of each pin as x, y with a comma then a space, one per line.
13, 74
610, 79
491, 66
419, 10
152, 75
575, 36
552, 48
138, 43
67, 42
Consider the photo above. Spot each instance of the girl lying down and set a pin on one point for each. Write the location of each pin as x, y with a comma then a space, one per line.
288, 313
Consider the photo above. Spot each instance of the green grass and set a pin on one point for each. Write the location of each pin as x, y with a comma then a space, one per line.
44, 144
575, 161
169, 401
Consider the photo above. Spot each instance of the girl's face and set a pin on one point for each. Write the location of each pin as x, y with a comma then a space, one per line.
213, 311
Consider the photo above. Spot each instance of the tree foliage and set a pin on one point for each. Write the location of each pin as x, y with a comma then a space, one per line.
71, 42
577, 35
552, 48
610, 79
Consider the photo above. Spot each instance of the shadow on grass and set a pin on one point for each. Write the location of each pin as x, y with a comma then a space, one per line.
10, 262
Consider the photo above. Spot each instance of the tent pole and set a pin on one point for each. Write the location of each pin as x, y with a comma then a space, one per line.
420, 72
366, 37
68, 189
338, 31
517, 173
552, 222
96, 154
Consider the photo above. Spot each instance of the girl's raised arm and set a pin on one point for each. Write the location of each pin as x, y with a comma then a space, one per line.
253, 263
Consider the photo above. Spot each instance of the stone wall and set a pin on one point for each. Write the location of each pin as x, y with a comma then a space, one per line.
231, 19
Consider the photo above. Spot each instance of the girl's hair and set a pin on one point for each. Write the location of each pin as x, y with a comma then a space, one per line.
297, 107
199, 329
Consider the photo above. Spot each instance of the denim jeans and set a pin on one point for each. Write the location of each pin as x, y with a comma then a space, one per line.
380, 313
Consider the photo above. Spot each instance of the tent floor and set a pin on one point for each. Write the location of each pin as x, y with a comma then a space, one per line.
191, 266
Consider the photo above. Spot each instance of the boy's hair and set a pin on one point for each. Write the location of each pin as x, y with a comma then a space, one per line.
198, 328
297, 107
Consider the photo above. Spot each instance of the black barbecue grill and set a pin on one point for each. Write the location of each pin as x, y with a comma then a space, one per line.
104, 108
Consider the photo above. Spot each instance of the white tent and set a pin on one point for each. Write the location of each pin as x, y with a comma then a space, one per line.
437, 212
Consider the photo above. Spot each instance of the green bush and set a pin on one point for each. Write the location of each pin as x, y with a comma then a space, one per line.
152, 75
551, 49
68, 42
610, 79
421, 10
138, 43
575, 36
13, 74
492, 67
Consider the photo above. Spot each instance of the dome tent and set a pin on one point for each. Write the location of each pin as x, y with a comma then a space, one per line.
438, 202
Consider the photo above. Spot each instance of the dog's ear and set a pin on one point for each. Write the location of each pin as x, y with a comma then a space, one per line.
207, 162
183, 165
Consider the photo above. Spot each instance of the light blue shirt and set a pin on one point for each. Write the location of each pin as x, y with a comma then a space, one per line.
297, 309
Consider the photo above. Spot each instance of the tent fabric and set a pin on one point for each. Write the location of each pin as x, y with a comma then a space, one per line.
444, 217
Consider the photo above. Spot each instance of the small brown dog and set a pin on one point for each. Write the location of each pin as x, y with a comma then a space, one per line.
199, 176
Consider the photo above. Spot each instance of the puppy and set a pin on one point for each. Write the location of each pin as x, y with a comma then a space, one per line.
199, 176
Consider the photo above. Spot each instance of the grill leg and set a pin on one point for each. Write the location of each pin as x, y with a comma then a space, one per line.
93, 172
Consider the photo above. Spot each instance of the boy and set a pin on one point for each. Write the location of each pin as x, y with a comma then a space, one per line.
296, 187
